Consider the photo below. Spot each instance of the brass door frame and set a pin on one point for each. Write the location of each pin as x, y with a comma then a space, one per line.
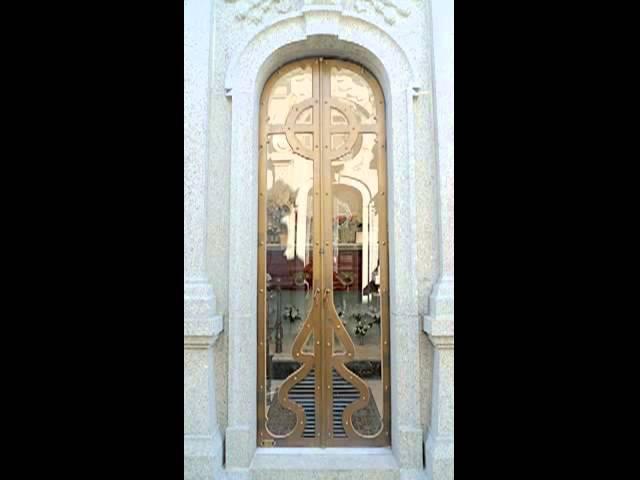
323, 319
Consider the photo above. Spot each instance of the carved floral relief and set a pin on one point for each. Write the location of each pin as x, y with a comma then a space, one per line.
389, 9
253, 10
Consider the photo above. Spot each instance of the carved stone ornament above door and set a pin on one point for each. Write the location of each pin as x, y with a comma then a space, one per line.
253, 10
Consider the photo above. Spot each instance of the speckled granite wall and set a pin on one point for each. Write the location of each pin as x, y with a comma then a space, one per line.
231, 47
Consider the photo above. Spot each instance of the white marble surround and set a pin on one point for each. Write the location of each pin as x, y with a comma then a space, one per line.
231, 48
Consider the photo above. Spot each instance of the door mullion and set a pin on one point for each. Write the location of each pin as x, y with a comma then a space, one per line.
317, 257
327, 243
323, 249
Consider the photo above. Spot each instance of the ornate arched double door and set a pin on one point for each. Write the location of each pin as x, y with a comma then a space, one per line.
323, 298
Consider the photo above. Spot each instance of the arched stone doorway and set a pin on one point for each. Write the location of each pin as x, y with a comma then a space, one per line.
329, 34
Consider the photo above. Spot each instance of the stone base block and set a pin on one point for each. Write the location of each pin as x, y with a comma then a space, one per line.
203, 457
237, 474
240, 447
413, 474
407, 445
439, 458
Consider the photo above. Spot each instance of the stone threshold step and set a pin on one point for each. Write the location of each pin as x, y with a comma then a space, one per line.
347, 463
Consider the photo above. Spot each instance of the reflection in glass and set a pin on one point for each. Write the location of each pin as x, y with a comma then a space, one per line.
356, 276
354, 90
293, 87
322, 162
289, 257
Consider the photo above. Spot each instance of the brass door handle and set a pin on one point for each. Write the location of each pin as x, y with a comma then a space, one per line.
326, 293
315, 295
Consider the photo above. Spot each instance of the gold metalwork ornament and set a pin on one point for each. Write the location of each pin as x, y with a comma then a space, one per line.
322, 319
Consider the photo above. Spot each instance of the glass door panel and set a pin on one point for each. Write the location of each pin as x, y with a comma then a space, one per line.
323, 355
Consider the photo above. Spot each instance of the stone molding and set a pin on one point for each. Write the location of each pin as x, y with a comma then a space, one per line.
322, 31
201, 324
326, 20
440, 321
202, 340
442, 342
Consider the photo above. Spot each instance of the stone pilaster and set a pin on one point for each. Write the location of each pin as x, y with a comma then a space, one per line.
197, 39
439, 446
202, 440
439, 323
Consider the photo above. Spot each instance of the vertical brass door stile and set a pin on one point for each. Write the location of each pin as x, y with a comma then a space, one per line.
323, 258
327, 264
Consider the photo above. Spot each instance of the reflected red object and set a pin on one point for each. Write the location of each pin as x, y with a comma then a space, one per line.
294, 275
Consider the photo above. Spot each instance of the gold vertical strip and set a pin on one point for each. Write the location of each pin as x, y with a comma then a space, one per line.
262, 277
317, 261
384, 262
327, 241
323, 249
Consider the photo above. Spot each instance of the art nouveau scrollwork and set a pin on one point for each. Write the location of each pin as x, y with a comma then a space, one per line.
323, 313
